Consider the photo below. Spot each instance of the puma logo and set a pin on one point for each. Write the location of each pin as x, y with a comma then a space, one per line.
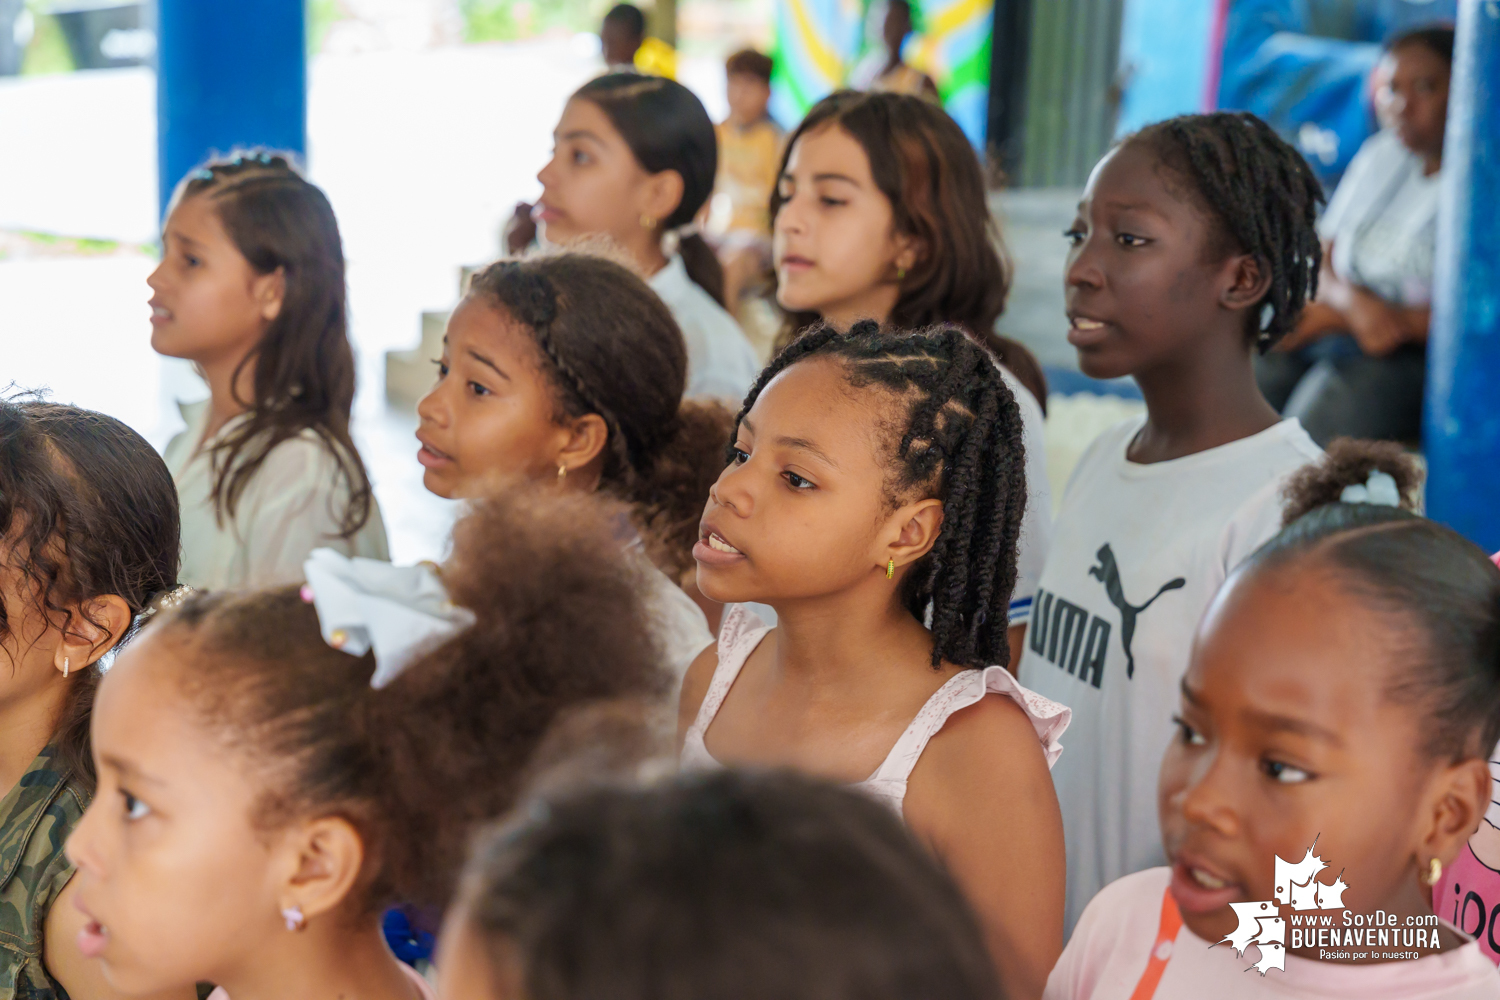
1108, 573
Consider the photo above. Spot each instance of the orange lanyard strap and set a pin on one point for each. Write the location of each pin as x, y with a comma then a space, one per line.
1161, 951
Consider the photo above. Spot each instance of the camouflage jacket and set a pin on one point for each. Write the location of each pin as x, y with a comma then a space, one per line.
35, 820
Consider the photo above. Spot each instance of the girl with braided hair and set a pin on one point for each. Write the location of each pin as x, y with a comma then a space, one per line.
251, 290
876, 482
1193, 244
564, 368
880, 214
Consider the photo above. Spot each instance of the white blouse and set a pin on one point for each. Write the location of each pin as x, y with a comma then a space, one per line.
721, 362
292, 505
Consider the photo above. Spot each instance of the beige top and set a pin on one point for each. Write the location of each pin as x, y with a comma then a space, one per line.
292, 505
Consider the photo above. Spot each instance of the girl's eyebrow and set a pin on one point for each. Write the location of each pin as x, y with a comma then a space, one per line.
803, 444
486, 361
577, 133
1286, 724
836, 177
128, 770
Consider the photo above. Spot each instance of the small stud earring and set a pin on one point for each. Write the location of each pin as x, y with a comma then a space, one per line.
890, 569
65, 666
1434, 872
562, 473
295, 921
900, 274
647, 222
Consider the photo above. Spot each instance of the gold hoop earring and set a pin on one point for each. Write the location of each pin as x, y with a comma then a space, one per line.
562, 473
65, 666
647, 222
890, 569
1434, 872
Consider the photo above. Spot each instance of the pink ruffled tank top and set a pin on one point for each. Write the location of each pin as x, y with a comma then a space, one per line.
742, 632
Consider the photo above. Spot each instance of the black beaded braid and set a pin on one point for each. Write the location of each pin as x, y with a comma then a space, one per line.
1264, 196
960, 442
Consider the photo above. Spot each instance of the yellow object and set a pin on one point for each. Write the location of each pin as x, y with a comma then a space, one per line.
338, 638
890, 569
656, 58
1434, 872
647, 222
562, 473
748, 158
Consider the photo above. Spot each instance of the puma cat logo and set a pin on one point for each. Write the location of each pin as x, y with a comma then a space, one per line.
1108, 573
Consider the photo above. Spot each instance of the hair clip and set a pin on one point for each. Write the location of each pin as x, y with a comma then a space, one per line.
168, 600
399, 612
206, 174
1380, 489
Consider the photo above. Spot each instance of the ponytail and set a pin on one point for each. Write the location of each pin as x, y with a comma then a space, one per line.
702, 265
416, 764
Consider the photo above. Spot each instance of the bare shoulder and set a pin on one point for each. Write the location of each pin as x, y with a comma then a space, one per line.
695, 683
986, 757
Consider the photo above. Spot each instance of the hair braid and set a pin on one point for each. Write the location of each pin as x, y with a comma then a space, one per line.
961, 443
1263, 196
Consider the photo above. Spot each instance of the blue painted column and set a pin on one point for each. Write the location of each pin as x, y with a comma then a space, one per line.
1462, 423
230, 73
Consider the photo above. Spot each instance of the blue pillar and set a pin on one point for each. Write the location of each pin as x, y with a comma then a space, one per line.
230, 73
1462, 424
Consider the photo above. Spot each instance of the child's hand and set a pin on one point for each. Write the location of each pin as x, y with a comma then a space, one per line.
1318, 320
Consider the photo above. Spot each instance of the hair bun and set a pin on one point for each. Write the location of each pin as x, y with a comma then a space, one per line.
1354, 471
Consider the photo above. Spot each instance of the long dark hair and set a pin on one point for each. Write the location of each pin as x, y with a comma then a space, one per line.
962, 442
304, 366
922, 162
731, 886
667, 128
87, 508
610, 346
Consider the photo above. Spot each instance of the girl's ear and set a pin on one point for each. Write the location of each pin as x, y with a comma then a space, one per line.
587, 438
917, 526
1460, 796
269, 291
325, 857
909, 252
95, 627
1249, 281
662, 195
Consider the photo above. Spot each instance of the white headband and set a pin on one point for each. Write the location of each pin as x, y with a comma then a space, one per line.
400, 612
1380, 490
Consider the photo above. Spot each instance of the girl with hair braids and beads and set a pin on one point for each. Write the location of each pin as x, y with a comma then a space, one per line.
276, 766
635, 161
251, 290
880, 214
1193, 248
1328, 762
876, 482
88, 545
565, 369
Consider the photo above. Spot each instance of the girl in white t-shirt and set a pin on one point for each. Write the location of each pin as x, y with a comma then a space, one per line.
1194, 241
866, 228
564, 368
1331, 753
251, 290
877, 482
635, 160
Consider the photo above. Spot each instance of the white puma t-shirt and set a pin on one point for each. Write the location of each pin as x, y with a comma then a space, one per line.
1138, 551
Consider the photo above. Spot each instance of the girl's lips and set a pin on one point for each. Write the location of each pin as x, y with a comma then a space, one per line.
794, 263
1086, 332
545, 213
92, 938
713, 550
430, 457
160, 314
1193, 896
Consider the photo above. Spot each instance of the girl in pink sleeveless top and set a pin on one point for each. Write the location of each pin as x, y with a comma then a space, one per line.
874, 499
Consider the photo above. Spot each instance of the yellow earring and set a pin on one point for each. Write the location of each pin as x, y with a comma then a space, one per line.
1434, 872
562, 473
900, 274
647, 222
890, 569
